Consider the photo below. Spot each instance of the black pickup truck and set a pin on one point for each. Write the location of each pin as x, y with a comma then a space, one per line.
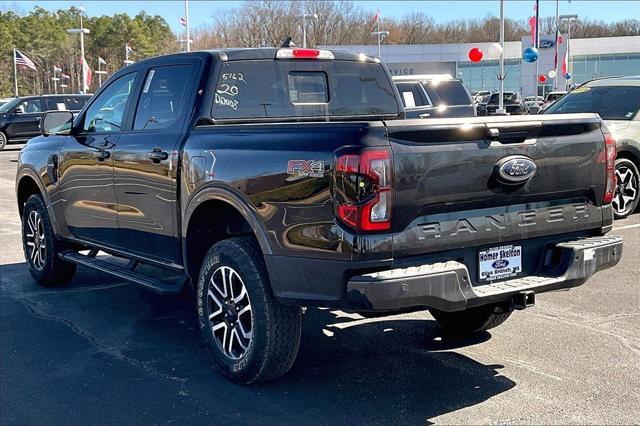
271, 179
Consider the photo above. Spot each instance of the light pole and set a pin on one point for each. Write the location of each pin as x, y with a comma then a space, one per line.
55, 84
82, 31
569, 19
381, 35
304, 17
186, 17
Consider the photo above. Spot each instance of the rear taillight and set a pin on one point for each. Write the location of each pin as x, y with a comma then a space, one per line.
363, 190
610, 161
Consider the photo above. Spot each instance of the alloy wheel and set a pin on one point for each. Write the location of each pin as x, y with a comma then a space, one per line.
36, 240
230, 314
626, 190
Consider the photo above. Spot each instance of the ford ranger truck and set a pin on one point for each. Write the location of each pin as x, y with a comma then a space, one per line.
273, 179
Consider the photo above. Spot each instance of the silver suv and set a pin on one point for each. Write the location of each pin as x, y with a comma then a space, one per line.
617, 100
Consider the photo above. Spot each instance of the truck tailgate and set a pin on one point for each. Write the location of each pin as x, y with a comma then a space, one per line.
450, 194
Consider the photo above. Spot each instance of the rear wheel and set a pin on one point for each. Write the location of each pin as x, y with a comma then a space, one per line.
251, 336
472, 320
41, 247
3, 140
625, 200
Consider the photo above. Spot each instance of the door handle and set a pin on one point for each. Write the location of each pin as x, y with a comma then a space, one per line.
101, 155
425, 115
158, 155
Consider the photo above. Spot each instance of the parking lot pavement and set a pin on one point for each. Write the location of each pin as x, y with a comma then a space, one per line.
106, 352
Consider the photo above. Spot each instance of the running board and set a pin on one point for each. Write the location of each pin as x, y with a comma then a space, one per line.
127, 273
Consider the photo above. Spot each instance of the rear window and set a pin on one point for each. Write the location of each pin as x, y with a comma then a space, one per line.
447, 92
508, 97
610, 102
286, 89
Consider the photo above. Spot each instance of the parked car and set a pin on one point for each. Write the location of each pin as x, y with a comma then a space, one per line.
533, 104
433, 96
479, 95
551, 98
20, 117
513, 104
617, 101
270, 179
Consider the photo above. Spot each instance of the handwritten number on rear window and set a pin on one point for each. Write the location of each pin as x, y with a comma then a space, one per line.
226, 89
238, 76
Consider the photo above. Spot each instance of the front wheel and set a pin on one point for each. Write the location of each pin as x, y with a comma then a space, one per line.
41, 247
3, 140
472, 320
250, 335
627, 195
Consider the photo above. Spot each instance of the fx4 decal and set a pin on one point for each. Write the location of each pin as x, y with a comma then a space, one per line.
306, 168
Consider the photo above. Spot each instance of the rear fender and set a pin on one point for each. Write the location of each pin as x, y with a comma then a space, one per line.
234, 199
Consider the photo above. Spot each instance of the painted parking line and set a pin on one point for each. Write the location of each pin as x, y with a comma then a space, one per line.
626, 227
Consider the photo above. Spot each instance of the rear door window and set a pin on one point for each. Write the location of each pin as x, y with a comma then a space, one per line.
289, 89
163, 97
75, 103
447, 92
411, 95
56, 104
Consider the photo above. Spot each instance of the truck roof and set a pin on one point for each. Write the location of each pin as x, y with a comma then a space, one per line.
257, 53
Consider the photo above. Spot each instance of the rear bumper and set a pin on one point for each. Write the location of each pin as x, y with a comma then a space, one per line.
447, 285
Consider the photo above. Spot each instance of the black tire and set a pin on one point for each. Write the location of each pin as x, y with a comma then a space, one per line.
274, 328
3, 140
625, 200
46, 268
472, 320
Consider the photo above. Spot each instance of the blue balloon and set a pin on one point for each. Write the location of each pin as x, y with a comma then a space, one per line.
567, 76
530, 54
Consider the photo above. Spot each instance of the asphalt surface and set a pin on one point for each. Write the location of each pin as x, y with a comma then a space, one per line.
102, 351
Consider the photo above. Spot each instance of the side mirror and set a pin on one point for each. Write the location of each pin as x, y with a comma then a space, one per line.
56, 123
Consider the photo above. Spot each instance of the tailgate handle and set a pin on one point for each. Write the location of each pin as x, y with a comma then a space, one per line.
508, 136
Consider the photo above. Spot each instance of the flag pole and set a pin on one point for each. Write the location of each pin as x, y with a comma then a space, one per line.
555, 80
537, 43
501, 91
15, 71
186, 15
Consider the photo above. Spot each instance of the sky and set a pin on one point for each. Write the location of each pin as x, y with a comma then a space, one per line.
201, 12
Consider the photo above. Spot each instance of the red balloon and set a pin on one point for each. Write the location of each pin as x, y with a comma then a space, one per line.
542, 78
475, 55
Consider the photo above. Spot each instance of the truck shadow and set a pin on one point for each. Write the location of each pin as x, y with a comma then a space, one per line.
396, 369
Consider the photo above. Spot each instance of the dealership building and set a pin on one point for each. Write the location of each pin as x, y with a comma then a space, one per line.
589, 58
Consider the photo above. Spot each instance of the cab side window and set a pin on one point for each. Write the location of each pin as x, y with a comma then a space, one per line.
163, 97
107, 111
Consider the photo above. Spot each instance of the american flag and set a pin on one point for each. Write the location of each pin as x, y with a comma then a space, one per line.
183, 22
22, 60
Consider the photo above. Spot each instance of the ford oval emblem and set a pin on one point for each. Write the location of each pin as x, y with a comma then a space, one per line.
500, 263
516, 169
